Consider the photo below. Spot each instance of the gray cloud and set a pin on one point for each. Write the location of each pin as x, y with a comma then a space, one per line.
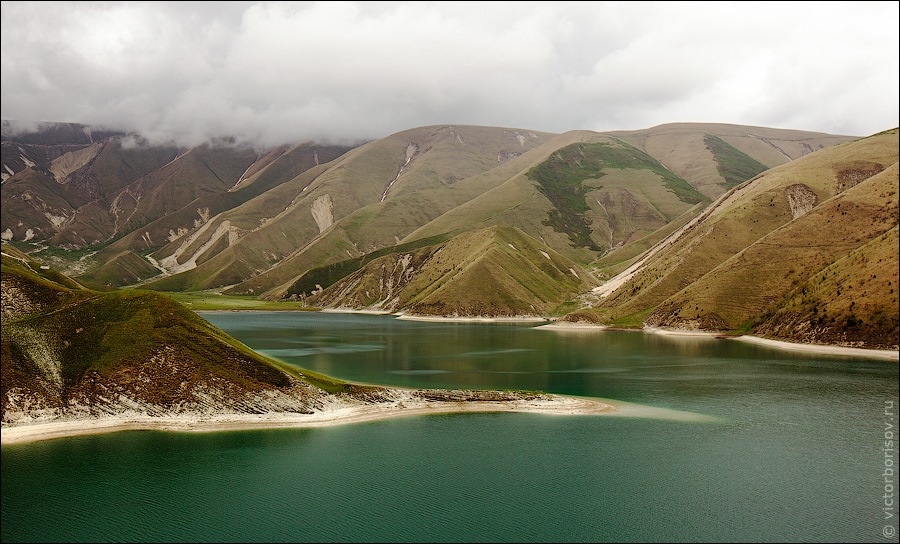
274, 72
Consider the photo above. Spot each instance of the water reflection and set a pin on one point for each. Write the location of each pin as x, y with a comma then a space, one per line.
634, 366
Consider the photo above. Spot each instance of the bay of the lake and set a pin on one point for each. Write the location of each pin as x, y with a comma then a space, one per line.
797, 452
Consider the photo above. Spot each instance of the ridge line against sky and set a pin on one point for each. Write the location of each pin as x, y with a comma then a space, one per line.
277, 72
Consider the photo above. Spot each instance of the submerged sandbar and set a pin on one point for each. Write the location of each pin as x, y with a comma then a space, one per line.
406, 404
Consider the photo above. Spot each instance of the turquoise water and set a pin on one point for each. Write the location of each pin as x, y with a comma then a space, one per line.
797, 455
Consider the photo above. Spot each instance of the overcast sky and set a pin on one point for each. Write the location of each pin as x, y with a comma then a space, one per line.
273, 72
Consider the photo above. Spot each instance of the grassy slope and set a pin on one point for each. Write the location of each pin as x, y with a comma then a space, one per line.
176, 197
851, 302
505, 196
112, 170
563, 179
752, 210
325, 276
114, 338
122, 268
29, 288
750, 282
355, 184
629, 202
266, 172
216, 301
682, 148
602, 193
26, 198
755, 225
734, 166
123, 328
624, 256
153, 208
257, 247
493, 271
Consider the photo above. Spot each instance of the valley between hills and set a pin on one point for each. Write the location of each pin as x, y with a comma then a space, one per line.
685, 228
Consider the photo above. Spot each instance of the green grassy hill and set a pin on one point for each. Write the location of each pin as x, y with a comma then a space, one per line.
584, 194
497, 271
72, 352
769, 237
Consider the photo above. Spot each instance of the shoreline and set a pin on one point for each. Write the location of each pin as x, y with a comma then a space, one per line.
553, 324
819, 349
682, 332
353, 311
448, 319
557, 405
883, 354
570, 326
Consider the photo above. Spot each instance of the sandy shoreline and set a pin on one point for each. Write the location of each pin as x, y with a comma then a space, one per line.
681, 332
885, 354
443, 319
353, 311
569, 326
437, 318
343, 415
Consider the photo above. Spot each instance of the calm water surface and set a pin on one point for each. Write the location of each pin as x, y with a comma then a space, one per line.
797, 455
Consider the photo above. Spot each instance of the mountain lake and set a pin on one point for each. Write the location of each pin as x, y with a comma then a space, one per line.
797, 451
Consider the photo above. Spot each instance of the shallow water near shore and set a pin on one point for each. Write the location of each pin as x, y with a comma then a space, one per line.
796, 454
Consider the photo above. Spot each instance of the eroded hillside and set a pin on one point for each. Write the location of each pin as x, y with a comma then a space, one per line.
766, 246
498, 271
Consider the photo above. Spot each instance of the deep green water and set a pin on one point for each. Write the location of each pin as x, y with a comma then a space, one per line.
798, 454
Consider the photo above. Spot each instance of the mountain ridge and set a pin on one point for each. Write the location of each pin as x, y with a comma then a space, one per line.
768, 237
262, 223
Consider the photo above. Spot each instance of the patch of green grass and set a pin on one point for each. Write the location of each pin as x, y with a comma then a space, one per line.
213, 301
326, 383
631, 321
734, 166
747, 326
561, 179
567, 307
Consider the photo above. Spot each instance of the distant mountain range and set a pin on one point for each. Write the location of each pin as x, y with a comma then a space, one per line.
720, 227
